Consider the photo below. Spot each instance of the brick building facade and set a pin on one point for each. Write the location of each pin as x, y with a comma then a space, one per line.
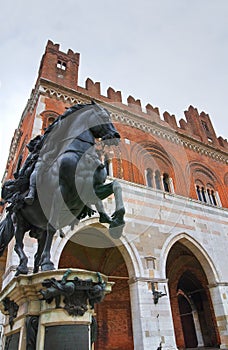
175, 186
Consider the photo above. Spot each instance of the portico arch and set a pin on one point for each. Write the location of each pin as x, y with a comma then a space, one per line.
197, 249
90, 247
189, 271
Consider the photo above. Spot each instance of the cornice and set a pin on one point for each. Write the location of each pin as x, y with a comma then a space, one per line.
14, 144
131, 119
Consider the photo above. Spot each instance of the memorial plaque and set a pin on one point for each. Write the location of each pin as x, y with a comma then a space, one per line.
67, 337
12, 341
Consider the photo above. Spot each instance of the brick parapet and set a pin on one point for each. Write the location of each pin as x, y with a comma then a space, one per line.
138, 120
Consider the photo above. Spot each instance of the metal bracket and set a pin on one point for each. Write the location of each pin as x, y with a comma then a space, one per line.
157, 294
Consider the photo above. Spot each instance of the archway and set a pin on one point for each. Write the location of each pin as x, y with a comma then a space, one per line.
192, 309
90, 249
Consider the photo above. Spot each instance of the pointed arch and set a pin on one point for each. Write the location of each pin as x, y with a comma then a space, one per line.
189, 271
197, 249
127, 249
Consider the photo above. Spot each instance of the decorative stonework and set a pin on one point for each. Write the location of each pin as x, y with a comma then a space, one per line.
76, 293
32, 323
14, 144
11, 308
31, 316
59, 95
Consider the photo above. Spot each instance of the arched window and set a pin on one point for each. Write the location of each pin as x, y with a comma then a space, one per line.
166, 182
203, 195
158, 179
50, 121
149, 176
213, 197
207, 195
198, 191
48, 118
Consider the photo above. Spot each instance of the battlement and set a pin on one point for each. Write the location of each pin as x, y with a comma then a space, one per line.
62, 68
59, 67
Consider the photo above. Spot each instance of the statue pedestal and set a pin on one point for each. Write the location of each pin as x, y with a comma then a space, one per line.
61, 316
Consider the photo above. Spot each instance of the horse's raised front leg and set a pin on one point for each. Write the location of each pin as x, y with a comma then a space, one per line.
117, 224
20, 228
104, 217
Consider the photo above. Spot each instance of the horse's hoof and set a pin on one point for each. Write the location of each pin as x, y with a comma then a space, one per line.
47, 267
36, 269
116, 231
21, 271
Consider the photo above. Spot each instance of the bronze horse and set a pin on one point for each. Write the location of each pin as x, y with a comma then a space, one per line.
68, 177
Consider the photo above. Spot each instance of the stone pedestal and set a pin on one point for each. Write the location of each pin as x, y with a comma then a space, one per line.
61, 317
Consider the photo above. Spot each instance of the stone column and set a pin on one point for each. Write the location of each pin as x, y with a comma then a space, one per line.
162, 183
171, 187
152, 323
153, 180
219, 297
197, 328
218, 199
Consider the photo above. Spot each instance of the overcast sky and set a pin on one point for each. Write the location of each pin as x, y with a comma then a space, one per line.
169, 53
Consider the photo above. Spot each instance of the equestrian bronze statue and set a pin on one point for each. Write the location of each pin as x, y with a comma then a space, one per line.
59, 182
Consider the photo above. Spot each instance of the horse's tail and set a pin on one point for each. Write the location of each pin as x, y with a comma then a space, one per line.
6, 232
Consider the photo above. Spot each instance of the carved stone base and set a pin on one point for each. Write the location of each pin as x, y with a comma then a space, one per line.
52, 309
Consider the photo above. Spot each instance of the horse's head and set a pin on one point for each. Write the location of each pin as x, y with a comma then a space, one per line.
102, 126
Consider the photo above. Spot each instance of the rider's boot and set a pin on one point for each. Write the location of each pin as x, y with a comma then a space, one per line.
29, 199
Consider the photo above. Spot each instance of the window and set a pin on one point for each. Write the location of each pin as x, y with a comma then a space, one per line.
213, 198
166, 182
205, 126
61, 65
198, 191
207, 195
149, 176
107, 160
106, 164
50, 120
203, 194
158, 180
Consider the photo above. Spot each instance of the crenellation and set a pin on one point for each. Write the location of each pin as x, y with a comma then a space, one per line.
183, 124
170, 119
134, 104
223, 142
52, 46
115, 96
192, 117
152, 110
93, 88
